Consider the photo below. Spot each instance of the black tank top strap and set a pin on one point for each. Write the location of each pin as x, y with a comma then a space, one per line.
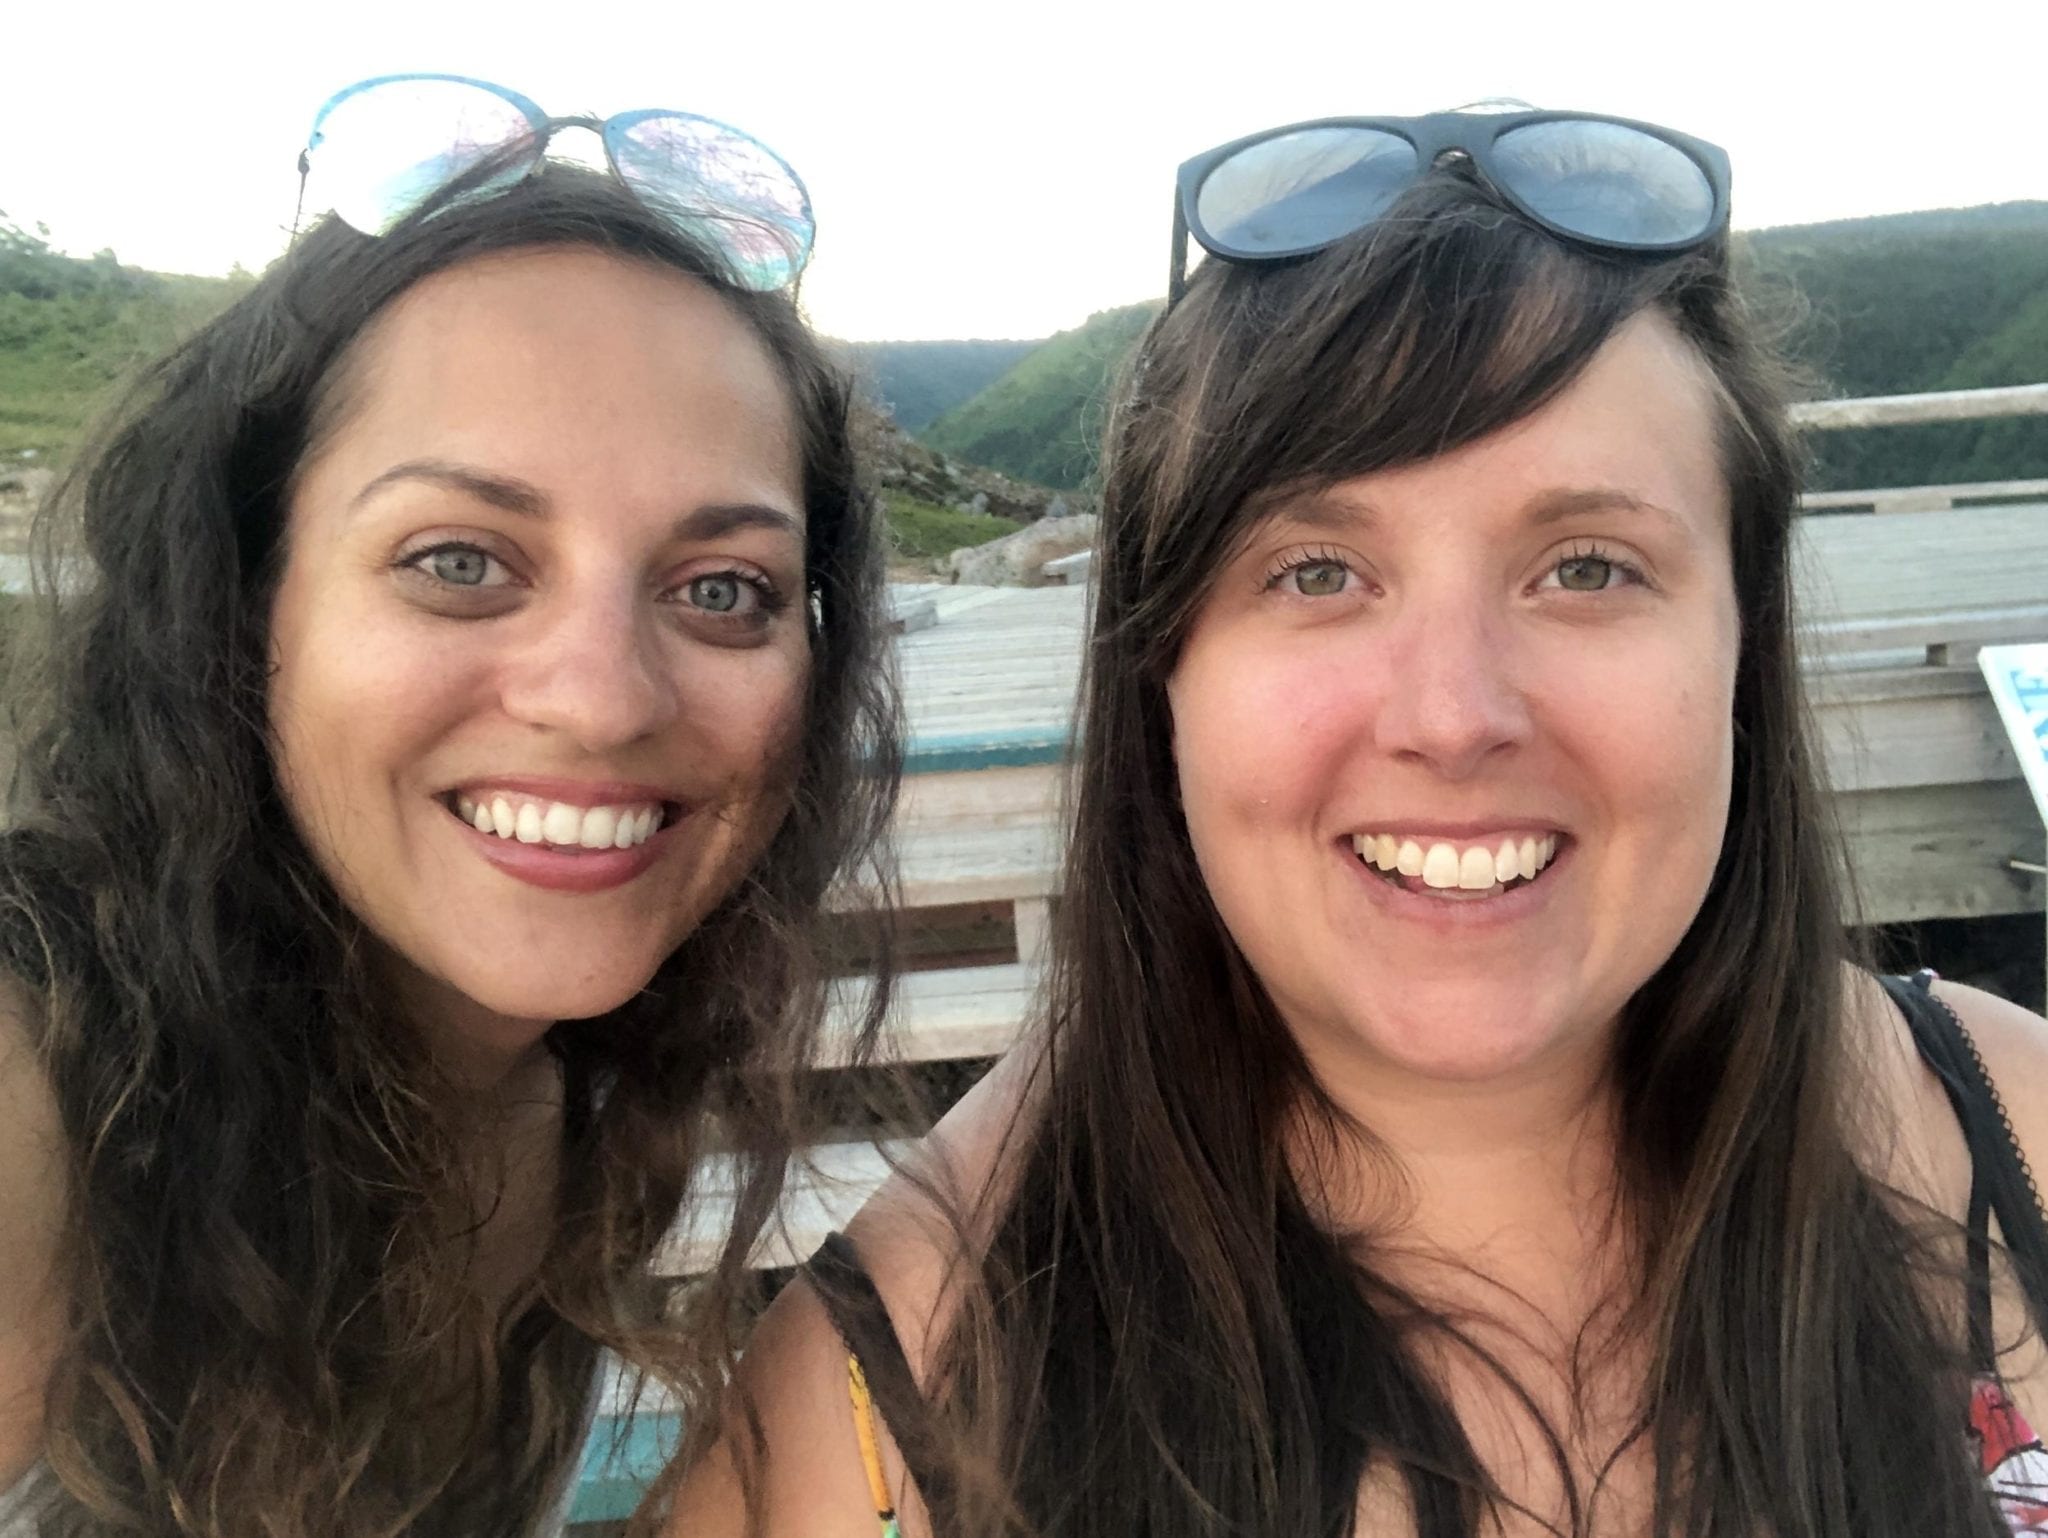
2000, 1180
841, 1280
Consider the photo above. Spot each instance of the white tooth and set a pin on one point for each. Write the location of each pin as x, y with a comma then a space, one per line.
528, 827
600, 826
1475, 869
1408, 858
1527, 858
1361, 845
622, 835
561, 824
481, 816
1440, 866
465, 808
1507, 862
1550, 849
503, 823
1386, 852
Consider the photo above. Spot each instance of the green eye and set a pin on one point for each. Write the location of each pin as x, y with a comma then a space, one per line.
1320, 579
716, 594
1584, 573
460, 567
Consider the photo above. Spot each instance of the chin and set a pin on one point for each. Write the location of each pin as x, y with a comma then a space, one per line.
1461, 1035
528, 988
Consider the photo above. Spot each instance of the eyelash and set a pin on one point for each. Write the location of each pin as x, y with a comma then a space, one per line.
768, 595
1629, 574
1296, 560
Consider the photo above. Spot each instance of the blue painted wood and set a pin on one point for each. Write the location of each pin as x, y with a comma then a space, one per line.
985, 750
620, 1461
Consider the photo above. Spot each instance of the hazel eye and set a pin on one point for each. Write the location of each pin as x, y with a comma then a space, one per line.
1320, 579
1585, 573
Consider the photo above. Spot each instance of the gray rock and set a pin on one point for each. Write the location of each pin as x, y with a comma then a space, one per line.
1018, 560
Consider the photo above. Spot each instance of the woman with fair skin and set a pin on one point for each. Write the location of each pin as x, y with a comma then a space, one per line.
1457, 1111
473, 687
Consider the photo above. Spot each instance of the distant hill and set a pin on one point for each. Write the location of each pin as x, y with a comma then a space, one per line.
916, 382
1041, 420
1950, 299
72, 328
1947, 300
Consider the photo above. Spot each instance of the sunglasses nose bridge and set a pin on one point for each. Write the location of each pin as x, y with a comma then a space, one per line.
554, 125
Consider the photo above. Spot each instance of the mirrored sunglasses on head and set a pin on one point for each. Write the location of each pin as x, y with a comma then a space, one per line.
1606, 182
383, 148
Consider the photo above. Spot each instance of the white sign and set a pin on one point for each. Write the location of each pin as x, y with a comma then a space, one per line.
2018, 676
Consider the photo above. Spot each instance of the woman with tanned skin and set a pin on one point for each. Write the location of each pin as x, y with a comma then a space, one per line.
466, 685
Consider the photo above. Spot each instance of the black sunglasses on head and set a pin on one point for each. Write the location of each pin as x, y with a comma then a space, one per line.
1606, 182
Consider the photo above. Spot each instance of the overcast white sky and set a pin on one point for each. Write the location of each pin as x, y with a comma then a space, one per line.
1003, 169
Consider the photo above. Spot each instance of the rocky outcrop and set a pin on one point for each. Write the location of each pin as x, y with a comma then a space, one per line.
904, 465
1018, 560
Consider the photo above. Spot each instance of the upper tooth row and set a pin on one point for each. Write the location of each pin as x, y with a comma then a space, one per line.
1445, 865
558, 823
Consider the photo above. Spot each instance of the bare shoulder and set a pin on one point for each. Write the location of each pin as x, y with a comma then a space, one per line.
2013, 1043
790, 1426
33, 1164
792, 1400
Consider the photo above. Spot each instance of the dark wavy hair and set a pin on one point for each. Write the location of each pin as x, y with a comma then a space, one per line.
270, 1228
1164, 1339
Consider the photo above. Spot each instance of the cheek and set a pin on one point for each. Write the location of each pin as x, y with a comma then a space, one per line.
1256, 738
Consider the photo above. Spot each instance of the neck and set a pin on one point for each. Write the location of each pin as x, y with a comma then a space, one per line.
486, 1059
1524, 1162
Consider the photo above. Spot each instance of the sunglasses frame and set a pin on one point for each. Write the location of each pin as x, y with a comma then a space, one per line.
608, 130
1472, 134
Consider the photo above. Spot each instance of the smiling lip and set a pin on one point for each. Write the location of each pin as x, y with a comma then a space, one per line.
567, 869
1452, 916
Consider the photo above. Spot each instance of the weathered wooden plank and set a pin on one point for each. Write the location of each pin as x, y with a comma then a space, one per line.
1936, 406
1940, 852
827, 1186
959, 1012
1901, 727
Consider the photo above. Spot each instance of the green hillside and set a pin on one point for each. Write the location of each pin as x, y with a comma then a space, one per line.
71, 328
1946, 300
1041, 420
916, 382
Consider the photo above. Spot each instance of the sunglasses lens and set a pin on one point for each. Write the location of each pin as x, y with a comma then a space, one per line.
1301, 190
1606, 181
717, 184
381, 151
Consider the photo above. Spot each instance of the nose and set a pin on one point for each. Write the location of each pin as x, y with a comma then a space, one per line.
594, 667
1452, 699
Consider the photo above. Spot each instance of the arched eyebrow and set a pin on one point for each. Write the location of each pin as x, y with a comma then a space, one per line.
501, 491
512, 495
1569, 502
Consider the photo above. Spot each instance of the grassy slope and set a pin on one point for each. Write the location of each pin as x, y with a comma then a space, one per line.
1042, 420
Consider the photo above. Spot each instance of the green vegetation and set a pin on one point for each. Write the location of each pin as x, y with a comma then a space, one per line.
924, 531
71, 329
1042, 420
916, 382
1950, 300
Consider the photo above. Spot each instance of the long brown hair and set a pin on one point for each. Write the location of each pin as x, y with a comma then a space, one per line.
1164, 1340
273, 1328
